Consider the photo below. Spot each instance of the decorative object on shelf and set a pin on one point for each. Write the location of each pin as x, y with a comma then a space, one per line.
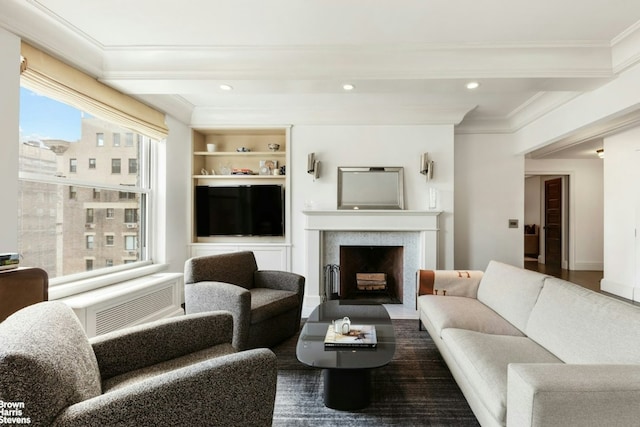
241, 171
267, 167
242, 150
313, 166
224, 169
426, 166
211, 148
273, 147
203, 171
283, 170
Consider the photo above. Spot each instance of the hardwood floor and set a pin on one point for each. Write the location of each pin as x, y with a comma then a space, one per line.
587, 279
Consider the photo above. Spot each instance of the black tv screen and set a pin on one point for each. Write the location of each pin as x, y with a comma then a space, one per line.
246, 210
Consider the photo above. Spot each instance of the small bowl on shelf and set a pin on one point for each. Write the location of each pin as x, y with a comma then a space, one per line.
274, 147
242, 150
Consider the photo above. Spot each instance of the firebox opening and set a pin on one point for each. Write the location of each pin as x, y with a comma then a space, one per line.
372, 273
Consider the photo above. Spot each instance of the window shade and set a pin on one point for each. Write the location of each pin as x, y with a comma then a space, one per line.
54, 78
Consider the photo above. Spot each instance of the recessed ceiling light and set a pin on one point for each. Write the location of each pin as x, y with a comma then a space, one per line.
348, 86
226, 87
473, 85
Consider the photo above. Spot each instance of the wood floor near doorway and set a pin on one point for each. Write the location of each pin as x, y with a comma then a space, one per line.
587, 279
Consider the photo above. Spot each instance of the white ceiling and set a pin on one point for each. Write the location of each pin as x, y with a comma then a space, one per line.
287, 59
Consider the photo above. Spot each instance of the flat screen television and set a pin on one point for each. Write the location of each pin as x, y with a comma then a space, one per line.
243, 210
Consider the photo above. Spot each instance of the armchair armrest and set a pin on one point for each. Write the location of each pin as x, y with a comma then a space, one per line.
282, 280
209, 296
242, 394
573, 395
150, 343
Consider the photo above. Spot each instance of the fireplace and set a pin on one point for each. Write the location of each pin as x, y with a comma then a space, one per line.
373, 273
416, 232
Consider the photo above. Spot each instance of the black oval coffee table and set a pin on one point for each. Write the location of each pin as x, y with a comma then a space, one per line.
346, 371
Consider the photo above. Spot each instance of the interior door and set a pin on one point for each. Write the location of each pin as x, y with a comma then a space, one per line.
553, 223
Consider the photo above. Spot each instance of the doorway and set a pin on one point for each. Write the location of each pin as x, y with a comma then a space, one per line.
547, 216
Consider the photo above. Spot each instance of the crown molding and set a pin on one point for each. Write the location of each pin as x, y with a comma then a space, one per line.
625, 49
324, 115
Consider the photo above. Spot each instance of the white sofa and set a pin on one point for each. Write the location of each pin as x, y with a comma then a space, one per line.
527, 349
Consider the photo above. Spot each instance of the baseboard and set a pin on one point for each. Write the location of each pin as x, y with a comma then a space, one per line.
618, 289
589, 266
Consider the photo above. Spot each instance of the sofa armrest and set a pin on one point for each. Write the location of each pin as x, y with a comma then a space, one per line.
573, 395
282, 280
154, 342
210, 296
233, 390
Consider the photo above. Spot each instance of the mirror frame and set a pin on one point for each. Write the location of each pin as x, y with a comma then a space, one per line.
398, 172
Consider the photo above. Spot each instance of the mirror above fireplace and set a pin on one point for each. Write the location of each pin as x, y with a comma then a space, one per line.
370, 188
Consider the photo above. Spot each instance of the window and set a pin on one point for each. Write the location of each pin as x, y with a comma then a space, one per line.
72, 109
57, 241
116, 140
130, 243
128, 139
130, 215
73, 165
133, 166
115, 166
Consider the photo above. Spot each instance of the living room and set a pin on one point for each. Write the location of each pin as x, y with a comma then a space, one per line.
573, 80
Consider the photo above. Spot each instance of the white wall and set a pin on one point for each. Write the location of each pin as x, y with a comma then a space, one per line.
172, 204
489, 190
9, 137
532, 198
370, 146
622, 204
586, 207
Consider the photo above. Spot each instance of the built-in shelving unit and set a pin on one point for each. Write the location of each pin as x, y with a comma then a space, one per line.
215, 168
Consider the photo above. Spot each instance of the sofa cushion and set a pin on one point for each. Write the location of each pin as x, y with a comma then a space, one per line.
484, 359
510, 291
266, 303
582, 326
46, 361
463, 313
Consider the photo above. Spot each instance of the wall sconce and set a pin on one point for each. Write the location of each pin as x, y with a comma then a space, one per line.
426, 166
600, 153
313, 166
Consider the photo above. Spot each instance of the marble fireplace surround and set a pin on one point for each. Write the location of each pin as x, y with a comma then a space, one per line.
326, 230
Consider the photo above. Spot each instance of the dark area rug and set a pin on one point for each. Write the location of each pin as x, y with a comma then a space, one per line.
415, 389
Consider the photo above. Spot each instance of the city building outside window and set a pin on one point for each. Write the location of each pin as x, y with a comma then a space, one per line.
116, 140
58, 221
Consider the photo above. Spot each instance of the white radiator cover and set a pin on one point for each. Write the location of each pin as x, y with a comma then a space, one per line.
128, 303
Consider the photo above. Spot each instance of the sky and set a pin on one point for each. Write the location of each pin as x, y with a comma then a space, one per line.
44, 118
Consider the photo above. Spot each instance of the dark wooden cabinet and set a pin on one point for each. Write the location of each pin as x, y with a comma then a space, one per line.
21, 287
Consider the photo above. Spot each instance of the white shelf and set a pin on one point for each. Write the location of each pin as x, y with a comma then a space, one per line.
240, 153
239, 176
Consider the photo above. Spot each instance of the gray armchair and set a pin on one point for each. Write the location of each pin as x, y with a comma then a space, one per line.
179, 371
266, 305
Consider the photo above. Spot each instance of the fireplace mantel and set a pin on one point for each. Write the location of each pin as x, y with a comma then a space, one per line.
371, 220
318, 222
